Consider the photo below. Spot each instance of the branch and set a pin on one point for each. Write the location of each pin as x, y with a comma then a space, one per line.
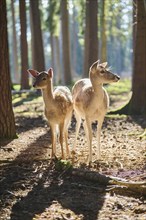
137, 187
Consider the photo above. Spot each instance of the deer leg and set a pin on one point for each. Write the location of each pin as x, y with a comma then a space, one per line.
53, 140
67, 123
66, 143
66, 136
85, 128
61, 129
99, 126
88, 131
78, 123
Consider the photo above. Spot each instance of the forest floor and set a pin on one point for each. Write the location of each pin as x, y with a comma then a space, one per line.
32, 187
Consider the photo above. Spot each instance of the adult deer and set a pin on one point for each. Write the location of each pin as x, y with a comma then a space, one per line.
58, 107
91, 101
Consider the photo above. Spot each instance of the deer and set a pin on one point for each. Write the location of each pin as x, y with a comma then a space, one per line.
58, 107
91, 102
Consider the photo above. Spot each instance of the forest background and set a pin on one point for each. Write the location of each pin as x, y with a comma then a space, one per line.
55, 28
69, 36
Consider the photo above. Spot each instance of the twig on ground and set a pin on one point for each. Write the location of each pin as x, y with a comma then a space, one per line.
137, 187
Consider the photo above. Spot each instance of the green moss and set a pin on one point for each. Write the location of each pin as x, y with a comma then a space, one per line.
143, 135
18, 99
116, 116
61, 165
123, 86
16, 87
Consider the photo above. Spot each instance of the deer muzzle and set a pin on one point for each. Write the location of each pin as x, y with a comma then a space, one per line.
116, 77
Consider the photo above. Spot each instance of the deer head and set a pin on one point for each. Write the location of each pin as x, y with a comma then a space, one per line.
100, 73
42, 79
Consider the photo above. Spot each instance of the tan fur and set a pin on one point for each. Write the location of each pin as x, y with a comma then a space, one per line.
58, 107
91, 101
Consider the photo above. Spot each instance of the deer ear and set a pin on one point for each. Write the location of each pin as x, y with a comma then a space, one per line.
34, 73
50, 73
98, 61
95, 65
104, 64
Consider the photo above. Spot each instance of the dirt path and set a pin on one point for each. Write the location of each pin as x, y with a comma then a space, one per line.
32, 188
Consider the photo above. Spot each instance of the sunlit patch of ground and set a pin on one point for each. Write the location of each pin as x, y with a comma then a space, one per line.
32, 188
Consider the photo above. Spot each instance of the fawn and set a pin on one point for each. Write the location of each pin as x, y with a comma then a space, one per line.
58, 107
91, 101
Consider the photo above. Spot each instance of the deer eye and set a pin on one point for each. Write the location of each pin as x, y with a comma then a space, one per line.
44, 78
102, 71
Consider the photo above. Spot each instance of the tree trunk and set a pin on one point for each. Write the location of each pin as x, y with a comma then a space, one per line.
54, 26
91, 42
74, 41
15, 57
7, 123
57, 59
53, 56
138, 101
66, 42
38, 61
103, 34
55, 53
134, 22
24, 46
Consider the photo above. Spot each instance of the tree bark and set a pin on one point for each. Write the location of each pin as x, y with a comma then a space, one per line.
15, 57
7, 122
138, 101
103, 34
74, 40
65, 42
38, 60
91, 40
57, 59
24, 46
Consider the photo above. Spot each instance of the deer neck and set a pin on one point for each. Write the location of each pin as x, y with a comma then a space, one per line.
97, 87
47, 94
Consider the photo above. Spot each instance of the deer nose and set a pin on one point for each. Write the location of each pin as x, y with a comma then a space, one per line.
118, 77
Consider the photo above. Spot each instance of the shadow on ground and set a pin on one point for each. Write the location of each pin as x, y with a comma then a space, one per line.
24, 123
31, 185
29, 96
